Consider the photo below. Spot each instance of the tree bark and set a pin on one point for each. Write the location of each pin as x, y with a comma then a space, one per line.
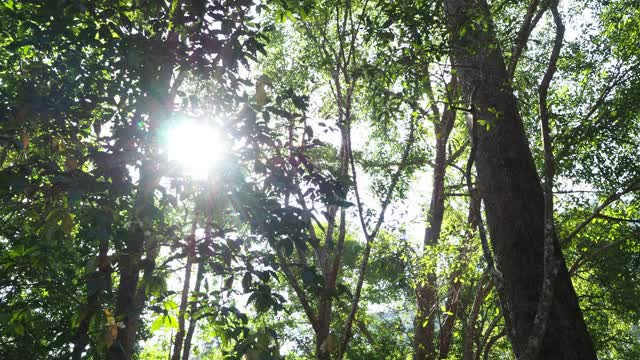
482, 290
455, 305
427, 293
510, 187
184, 299
140, 240
100, 281
193, 318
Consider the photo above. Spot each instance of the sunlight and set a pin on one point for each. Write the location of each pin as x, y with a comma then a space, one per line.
195, 146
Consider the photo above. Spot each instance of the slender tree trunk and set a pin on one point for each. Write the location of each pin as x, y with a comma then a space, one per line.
427, 293
510, 187
331, 269
193, 318
184, 299
127, 311
82, 332
491, 342
99, 281
482, 290
453, 308
323, 342
140, 240
454, 303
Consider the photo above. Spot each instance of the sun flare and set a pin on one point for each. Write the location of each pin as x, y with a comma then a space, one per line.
195, 146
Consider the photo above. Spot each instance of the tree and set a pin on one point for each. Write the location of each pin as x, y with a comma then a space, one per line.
516, 211
321, 129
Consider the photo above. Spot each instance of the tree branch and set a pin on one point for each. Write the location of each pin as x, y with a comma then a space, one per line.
370, 236
487, 334
551, 263
634, 186
482, 291
306, 306
526, 28
587, 256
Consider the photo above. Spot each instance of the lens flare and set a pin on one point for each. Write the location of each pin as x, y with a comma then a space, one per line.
195, 146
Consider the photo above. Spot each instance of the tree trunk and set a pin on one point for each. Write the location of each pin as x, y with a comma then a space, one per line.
455, 306
126, 310
427, 293
323, 351
482, 290
510, 187
184, 299
194, 307
98, 282
131, 297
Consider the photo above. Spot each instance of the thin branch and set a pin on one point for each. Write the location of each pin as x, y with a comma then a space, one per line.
550, 261
342, 231
367, 334
614, 218
306, 306
634, 186
355, 33
456, 154
491, 342
526, 28
588, 256
370, 236
480, 294
603, 96
487, 334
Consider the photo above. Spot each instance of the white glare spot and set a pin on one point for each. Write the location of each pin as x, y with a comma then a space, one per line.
195, 147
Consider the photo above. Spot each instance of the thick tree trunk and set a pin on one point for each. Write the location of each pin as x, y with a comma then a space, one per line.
510, 187
322, 343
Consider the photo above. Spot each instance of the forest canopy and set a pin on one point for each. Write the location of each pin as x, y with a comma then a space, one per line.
339, 179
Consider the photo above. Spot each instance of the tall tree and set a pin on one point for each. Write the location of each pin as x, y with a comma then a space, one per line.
513, 198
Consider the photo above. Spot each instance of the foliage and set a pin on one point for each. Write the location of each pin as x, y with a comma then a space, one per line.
299, 241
